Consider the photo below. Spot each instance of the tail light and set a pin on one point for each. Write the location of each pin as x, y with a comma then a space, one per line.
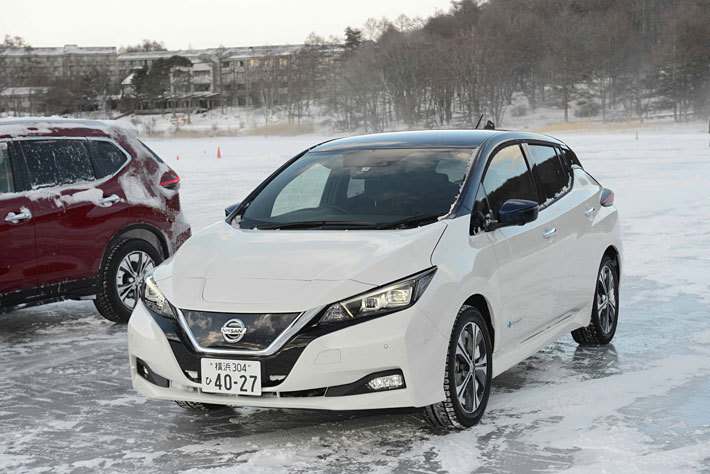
170, 180
607, 197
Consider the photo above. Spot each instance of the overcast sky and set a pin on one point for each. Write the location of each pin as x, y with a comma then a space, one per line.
200, 24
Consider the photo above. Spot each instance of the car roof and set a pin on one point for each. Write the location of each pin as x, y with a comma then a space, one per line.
424, 139
59, 127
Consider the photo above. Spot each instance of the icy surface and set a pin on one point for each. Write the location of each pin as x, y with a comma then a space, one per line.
641, 404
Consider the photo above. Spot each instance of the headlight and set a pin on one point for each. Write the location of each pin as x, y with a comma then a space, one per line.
154, 299
393, 297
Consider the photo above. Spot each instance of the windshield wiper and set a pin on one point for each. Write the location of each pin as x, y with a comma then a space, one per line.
315, 225
420, 219
409, 221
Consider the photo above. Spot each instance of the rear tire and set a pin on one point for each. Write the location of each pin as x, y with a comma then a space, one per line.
605, 309
121, 275
467, 374
197, 406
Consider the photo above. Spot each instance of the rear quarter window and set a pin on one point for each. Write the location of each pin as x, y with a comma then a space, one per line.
569, 157
107, 157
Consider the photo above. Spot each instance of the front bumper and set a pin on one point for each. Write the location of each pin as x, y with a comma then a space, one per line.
406, 341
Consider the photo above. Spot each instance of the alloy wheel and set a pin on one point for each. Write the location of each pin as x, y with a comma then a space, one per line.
471, 367
130, 274
606, 298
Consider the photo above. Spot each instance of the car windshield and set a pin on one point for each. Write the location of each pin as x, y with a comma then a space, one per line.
360, 189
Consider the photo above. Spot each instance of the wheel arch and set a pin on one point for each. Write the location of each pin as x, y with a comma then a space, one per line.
480, 302
146, 232
613, 253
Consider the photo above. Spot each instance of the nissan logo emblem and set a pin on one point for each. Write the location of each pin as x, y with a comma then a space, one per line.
233, 330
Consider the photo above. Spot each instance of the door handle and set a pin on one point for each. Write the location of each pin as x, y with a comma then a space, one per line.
108, 201
589, 212
15, 218
550, 233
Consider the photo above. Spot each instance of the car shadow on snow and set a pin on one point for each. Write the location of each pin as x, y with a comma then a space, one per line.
244, 421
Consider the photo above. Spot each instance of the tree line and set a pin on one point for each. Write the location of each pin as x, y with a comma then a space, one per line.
598, 57
590, 58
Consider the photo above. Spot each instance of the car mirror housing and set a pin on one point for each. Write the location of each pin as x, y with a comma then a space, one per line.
229, 209
517, 212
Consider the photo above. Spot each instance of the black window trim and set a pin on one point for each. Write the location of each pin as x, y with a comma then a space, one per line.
26, 185
528, 154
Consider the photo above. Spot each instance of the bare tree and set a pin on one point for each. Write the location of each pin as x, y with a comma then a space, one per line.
220, 67
266, 84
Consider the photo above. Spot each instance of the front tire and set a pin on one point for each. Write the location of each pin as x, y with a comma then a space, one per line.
467, 375
121, 275
605, 309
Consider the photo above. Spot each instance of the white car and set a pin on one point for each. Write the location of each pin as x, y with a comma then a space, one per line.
390, 270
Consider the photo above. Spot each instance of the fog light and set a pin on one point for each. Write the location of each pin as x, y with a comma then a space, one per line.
388, 382
144, 371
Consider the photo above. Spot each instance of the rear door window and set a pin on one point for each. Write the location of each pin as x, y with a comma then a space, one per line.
39, 156
546, 167
57, 162
73, 162
508, 177
6, 181
107, 157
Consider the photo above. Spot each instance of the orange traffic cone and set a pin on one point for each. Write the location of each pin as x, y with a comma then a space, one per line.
178, 158
219, 153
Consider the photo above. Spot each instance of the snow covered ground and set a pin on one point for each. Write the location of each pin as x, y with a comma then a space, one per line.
641, 404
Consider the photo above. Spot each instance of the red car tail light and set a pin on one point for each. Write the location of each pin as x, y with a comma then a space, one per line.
170, 180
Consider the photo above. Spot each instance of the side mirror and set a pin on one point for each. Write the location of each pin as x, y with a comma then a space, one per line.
229, 209
517, 212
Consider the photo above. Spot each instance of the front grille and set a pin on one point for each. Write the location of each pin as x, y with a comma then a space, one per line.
261, 328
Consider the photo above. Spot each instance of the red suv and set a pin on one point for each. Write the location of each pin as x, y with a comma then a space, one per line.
85, 210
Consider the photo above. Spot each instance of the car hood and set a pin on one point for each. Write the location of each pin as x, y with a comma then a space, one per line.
223, 268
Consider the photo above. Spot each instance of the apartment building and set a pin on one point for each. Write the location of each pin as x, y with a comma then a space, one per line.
237, 76
217, 75
41, 66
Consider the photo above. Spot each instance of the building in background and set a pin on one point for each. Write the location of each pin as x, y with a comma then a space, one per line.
218, 76
24, 98
44, 65
73, 79
57, 80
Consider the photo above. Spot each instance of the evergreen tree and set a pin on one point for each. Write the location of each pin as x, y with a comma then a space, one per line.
353, 38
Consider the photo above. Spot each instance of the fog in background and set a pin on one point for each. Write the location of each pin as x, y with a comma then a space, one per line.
181, 24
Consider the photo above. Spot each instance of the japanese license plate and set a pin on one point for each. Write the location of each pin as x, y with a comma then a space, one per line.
239, 377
